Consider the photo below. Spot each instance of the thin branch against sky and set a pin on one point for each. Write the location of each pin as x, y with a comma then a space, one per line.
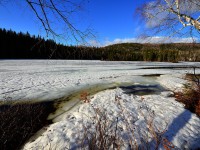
171, 18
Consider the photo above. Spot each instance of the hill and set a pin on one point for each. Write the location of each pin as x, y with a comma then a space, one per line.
171, 52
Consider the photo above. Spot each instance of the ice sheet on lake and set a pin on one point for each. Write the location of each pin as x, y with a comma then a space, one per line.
50, 79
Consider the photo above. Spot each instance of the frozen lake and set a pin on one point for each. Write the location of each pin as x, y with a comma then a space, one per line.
50, 79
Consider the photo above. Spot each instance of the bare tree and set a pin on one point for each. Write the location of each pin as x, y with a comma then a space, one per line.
59, 18
62, 11
172, 16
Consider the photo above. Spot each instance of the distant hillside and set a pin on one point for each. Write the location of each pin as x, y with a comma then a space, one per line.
172, 52
125, 46
24, 46
168, 46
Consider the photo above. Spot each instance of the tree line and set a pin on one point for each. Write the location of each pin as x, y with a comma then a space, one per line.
24, 46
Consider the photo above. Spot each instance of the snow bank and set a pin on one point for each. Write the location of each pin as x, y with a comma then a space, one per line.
182, 127
174, 83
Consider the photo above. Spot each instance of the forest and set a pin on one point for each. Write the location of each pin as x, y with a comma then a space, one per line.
25, 46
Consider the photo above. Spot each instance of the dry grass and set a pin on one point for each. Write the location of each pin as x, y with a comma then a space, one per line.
191, 99
18, 122
191, 95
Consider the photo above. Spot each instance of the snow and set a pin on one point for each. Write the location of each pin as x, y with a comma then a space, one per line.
174, 83
183, 128
53, 79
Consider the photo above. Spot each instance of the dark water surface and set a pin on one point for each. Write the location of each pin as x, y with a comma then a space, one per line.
139, 89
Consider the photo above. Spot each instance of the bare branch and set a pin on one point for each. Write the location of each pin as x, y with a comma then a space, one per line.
45, 10
44, 13
38, 16
174, 15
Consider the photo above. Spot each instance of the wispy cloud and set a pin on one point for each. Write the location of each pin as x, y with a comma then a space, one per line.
94, 43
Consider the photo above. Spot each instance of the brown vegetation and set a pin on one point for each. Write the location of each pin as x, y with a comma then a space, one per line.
18, 122
191, 95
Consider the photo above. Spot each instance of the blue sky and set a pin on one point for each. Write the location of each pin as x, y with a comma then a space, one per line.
115, 19
109, 19
112, 21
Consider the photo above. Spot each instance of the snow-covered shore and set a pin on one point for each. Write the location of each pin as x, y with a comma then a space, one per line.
51, 79
182, 127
